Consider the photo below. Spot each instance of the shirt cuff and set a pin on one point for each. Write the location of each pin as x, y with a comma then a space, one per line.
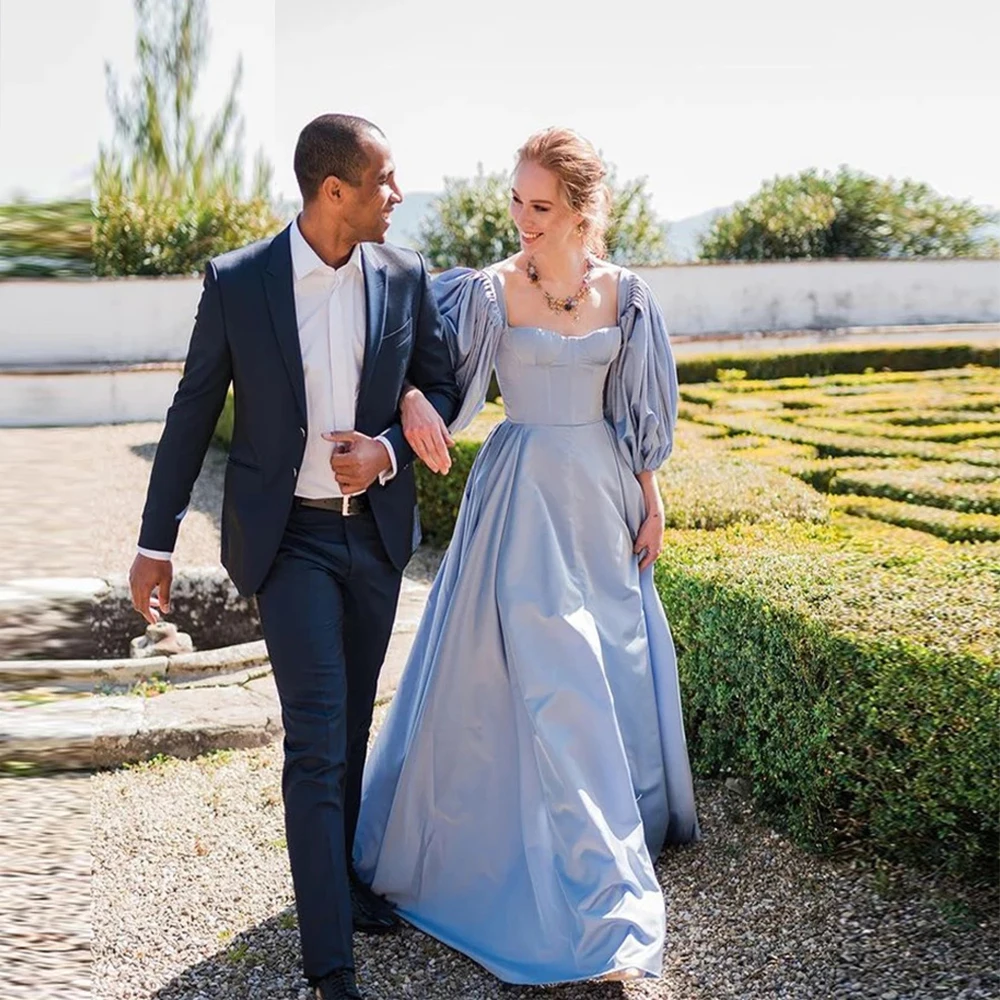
152, 554
384, 477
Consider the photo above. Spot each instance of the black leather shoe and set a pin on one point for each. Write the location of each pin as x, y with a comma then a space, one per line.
370, 913
339, 985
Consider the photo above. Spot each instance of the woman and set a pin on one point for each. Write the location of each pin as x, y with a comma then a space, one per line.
533, 762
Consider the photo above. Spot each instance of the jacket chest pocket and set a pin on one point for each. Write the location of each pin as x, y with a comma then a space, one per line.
399, 338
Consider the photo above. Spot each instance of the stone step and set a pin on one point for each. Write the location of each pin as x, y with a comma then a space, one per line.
225, 699
80, 395
80, 674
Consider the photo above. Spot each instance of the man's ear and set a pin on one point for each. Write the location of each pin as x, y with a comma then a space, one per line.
332, 188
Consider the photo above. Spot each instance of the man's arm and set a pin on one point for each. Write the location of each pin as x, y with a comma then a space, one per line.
187, 432
431, 370
190, 422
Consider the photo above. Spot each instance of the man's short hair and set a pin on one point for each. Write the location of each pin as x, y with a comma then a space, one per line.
332, 145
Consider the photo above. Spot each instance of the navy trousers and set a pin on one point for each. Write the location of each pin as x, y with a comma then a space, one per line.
326, 608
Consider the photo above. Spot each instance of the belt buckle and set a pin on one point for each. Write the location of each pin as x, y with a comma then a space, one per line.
345, 505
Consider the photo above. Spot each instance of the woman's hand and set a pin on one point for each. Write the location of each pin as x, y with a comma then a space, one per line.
650, 537
425, 431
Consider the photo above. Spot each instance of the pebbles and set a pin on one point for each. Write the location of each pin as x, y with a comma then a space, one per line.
193, 899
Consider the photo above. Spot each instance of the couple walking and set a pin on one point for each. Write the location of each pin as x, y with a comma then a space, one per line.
533, 761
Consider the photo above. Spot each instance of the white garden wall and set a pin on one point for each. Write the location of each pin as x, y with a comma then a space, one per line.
149, 319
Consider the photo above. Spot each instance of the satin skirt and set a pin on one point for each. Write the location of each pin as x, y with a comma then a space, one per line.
533, 762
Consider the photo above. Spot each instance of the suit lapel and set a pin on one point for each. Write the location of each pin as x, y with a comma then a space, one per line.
278, 286
375, 305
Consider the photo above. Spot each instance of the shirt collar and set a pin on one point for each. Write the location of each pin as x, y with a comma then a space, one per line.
305, 260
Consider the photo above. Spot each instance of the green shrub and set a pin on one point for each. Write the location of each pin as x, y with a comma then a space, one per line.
819, 473
835, 360
847, 213
952, 525
705, 485
813, 663
953, 433
148, 232
935, 418
831, 444
224, 425
972, 489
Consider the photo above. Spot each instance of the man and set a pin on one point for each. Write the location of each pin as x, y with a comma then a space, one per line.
317, 329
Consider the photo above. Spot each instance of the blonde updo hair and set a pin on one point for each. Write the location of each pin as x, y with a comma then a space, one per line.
581, 174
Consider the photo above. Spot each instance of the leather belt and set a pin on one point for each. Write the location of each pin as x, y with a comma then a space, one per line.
347, 506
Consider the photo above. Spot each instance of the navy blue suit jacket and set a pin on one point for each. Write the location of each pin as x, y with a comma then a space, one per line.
246, 333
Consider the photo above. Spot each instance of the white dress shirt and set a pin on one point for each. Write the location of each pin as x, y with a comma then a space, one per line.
330, 310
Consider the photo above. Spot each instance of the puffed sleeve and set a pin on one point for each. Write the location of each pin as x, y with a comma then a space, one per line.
473, 323
641, 393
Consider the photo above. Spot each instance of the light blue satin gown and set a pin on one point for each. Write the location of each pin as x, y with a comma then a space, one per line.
533, 761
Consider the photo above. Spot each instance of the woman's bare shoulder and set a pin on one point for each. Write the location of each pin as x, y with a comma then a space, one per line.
511, 265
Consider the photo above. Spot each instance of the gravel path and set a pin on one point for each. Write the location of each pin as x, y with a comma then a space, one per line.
71, 499
45, 888
192, 899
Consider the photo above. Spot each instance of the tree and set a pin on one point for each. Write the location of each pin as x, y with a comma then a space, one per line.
157, 133
168, 192
635, 235
846, 214
470, 224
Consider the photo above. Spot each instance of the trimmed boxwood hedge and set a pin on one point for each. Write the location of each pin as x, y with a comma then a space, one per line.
953, 525
971, 489
706, 484
813, 663
835, 360
831, 444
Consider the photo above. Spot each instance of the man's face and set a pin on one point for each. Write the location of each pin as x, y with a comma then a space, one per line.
367, 207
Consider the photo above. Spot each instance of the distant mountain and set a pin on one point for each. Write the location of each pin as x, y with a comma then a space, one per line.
684, 235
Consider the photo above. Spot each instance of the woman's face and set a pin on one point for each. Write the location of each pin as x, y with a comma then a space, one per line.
543, 219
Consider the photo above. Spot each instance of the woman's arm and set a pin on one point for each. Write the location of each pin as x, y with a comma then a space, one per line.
424, 429
650, 536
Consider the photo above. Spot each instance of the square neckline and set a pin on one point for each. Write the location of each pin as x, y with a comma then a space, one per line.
498, 289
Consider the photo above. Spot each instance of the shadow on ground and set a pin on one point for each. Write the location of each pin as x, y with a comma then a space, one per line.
206, 497
264, 962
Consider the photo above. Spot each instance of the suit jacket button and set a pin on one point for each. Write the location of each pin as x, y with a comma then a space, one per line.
303, 431
295, 472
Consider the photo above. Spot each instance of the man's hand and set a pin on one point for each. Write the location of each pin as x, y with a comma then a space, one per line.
145, 576
425, 431
358, 460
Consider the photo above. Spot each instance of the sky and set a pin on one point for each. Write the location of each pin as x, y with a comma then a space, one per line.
705, 98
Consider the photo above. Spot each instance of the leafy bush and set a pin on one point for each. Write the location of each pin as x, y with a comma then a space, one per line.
703, 485
836, 360
829, 443
820, 473
972, 489
813, 663
847, 214
952, 525
224, 425
147, 228
954, 433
